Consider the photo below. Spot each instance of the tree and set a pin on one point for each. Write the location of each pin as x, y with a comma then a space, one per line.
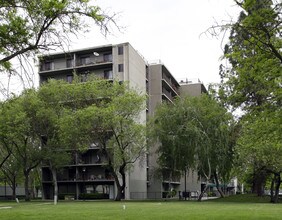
260, 148
46, 108
12, 174
53, 106
252, 81
29, 27
111, 121
17, 134
195, 133
5, 151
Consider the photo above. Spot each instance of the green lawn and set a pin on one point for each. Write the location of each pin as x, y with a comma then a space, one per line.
142, 210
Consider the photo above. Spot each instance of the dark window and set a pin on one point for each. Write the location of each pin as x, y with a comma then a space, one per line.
120, 67
108, 57
47, 65
69, 78
69, 62
108, 74
84, 60
120, 50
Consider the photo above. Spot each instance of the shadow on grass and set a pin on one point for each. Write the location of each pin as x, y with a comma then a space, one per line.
244, 198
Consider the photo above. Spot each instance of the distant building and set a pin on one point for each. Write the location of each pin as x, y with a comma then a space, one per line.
121, 62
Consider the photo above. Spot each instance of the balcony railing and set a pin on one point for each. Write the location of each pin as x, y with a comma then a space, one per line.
170, 83
92, 62
167, 94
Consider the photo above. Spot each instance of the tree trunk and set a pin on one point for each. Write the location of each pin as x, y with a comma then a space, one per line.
119, 195
203, 191
118, 185
26, 185
208, 176
272, 190
55, 182
14, 187
259, 182
121, 187
217, 185
277, 186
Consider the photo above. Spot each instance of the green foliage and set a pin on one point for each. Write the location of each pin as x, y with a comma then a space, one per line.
18, 137
254, 78
110, 118
252, 83
29, 26
112, 112
243, 198
59, 118
195, 133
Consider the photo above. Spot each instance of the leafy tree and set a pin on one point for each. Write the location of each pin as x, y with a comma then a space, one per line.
12, 174
111, 121
17, 134
195, 133
260, 148
252, 81
52, 108
61, 101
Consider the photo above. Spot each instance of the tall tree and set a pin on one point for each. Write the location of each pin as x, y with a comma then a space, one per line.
252, 80
54, 100
111, 121
195, 133
17, 134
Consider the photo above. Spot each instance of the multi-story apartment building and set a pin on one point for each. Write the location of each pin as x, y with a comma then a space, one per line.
120, 62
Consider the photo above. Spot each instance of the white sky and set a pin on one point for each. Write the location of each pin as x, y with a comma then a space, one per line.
170, 31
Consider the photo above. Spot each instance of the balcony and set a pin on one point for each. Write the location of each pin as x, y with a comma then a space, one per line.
168, 83
82, 63
166, 96
89, 61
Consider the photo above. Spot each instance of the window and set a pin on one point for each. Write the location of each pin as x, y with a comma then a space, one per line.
108, 57
69, 62
69, 78
47, 65
120, 67
108, 74
120, 50
84, 60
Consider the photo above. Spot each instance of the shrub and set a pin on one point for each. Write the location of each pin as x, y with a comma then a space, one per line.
63, 196
93, 196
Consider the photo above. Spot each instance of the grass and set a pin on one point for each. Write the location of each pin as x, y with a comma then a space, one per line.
235, 207
244, 198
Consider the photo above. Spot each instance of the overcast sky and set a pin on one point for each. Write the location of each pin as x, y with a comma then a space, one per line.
170, 31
